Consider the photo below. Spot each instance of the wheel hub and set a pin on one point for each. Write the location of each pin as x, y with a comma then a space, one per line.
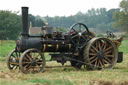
79, 33
33, 63
100, 54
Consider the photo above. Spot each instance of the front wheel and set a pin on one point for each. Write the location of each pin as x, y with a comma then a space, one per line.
32, 61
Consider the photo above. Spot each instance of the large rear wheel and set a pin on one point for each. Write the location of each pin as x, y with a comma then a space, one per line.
100, 53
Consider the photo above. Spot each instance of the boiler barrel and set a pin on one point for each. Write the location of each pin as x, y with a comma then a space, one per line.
28, 43
43, 45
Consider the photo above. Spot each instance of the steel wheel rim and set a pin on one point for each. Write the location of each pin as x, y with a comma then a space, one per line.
32, 61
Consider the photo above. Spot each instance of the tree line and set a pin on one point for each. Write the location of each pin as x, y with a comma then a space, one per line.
94, 18
99, 19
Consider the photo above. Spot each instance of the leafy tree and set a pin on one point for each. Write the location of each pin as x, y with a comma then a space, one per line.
10, 25
121, 18
36, 21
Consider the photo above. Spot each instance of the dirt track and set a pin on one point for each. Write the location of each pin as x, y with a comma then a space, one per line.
69, 73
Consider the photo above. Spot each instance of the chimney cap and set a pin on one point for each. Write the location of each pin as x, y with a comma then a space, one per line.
25, 7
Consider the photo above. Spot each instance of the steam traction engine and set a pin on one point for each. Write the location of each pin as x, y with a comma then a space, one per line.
79, 46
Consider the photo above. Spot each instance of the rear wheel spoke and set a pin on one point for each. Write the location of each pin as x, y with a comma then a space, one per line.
94, 60
105, 44
92, 54
107, 59
99, 45
108, 48
108, 52
29, 67
103, 63
92, 57
109, 56
100, 63
94, 48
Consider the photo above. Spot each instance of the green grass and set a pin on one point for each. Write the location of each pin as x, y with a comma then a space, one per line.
5, 82
50, 82
124, 46
2, 59
40, 81
6, 47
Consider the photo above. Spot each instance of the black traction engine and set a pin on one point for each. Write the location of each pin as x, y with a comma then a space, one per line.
79, 46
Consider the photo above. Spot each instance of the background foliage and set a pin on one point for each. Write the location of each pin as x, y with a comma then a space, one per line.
97, 19
94, 18
10, 23
121, 17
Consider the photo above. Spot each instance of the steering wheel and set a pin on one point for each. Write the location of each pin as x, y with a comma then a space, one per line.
78, 35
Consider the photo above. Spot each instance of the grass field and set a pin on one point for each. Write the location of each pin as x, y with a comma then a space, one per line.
6, 47
63, 75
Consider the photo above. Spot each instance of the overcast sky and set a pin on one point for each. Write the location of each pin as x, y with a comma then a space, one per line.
57, 7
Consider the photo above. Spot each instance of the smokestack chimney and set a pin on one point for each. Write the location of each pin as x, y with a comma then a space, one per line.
25, 21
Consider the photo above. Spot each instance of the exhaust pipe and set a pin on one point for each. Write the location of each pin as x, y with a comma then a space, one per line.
25, 22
